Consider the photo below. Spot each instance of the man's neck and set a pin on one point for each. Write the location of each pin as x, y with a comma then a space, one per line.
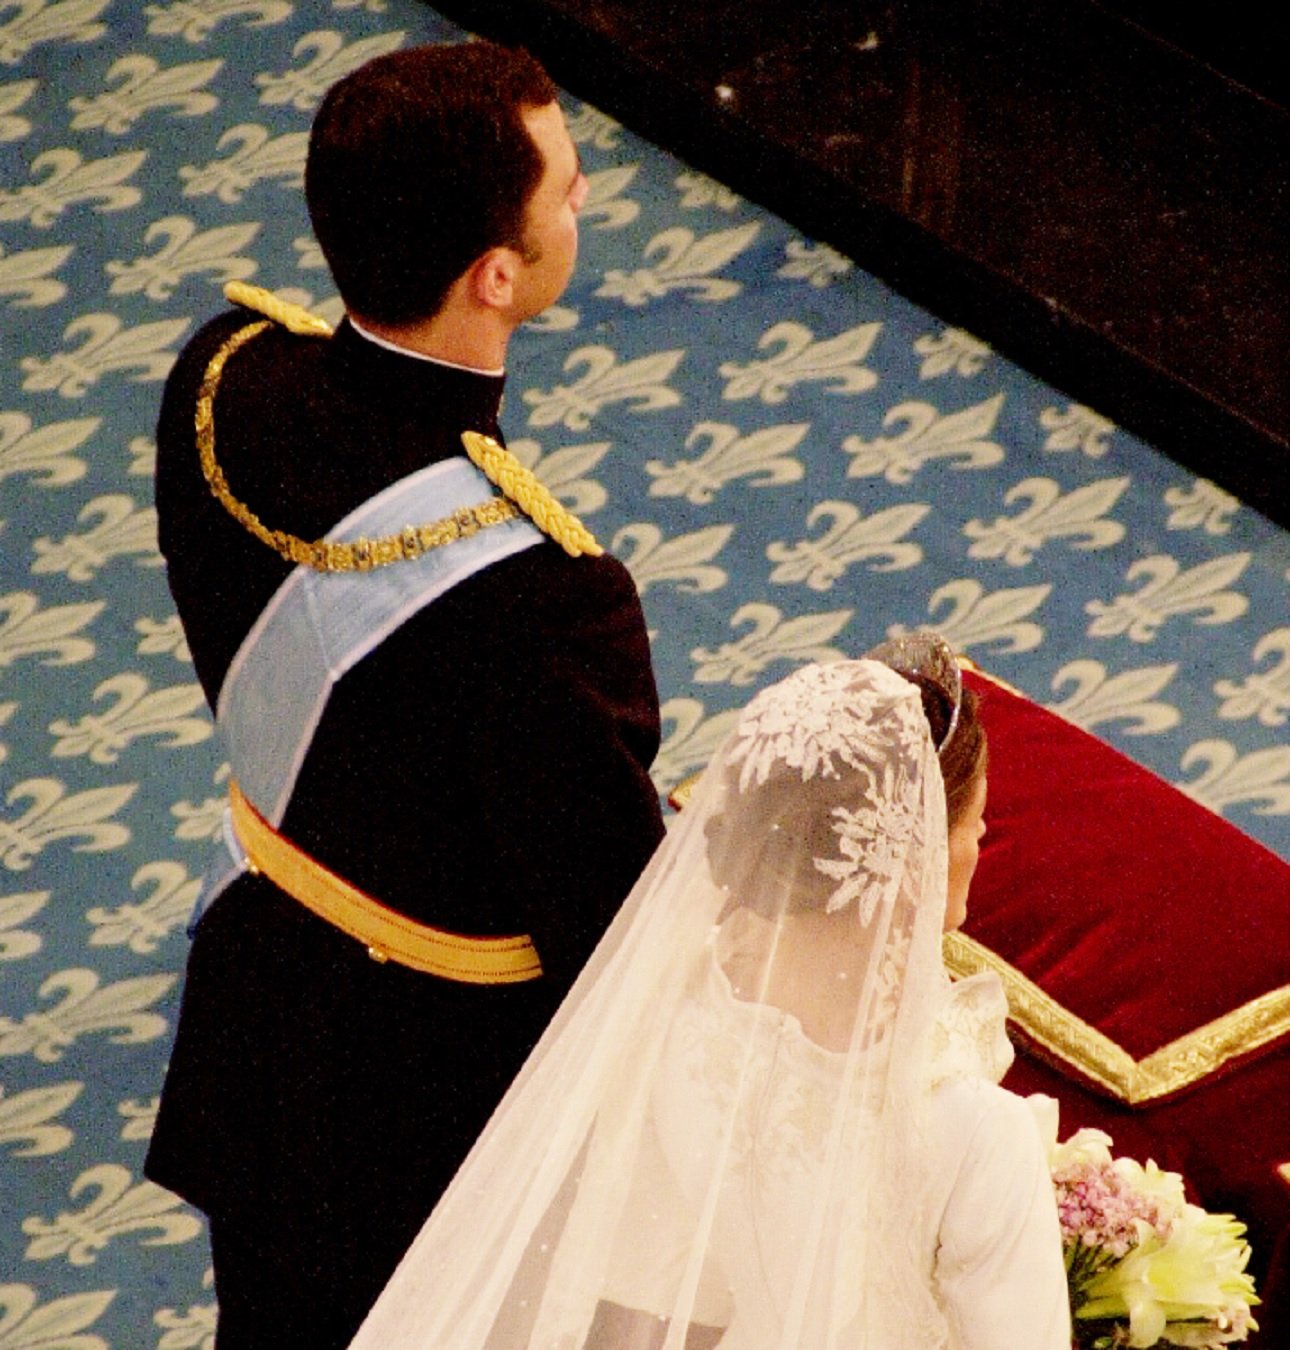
445, 337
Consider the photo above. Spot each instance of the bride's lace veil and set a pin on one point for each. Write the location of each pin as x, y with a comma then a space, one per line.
725, 1126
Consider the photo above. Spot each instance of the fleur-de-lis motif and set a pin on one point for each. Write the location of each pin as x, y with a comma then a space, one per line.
562, 472
1128, 697
685, 263
698, 190
1168, 590
553, 319
140, 1118
589, 126
27, 275
70, 179
972, 617
191, 1330
763, 457
205, 819
143, 457
12, 96
1260, 779
1078, 428
333, 59
86, 1008
185, 252
57, 814
771, 637
46, 452
159, 636
27, 1120
953, 350
835, 362
1204, 505
816, 263
960, 437
26, 630
849, 538
604, 204
641, 384
137, 711
259, 156
56, 21
195, 19
144, 85
1052, 514
1263, 695
109, 345
59, 1324
692, 741
121, 1206
143, 927
16, 944
123, 529
685, 560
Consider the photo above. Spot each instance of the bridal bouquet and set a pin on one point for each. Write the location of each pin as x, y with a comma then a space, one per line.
1144, 1267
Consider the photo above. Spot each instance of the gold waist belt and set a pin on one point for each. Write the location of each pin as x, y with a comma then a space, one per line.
387, 934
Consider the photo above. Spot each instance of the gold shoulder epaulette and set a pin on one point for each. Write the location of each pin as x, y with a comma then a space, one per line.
294, 318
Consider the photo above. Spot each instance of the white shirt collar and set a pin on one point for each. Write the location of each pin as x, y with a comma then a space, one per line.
420, 356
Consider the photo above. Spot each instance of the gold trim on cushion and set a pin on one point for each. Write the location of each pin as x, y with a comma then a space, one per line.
1095, 1057
387, 934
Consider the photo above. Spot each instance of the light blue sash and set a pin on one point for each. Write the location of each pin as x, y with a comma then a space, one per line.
318, 625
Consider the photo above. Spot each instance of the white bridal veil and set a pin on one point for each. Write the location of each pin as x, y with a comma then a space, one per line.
723, 1133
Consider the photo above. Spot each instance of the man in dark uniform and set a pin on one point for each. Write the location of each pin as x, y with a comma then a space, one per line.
475, 772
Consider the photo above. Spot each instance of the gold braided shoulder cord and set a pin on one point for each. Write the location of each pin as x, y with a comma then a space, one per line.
523, 492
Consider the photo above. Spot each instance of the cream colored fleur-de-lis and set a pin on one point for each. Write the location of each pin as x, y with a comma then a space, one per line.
1078, 515
605, 206
196, 19
54, 634
109, 346
309, 254
951, 351
12, 97
204, 819
56, 814
685, 560
770, 637
27, 1123
143, 457
159, 637
40, 21
1204, 505
140, 1118
817, 264
143, 927
1259, 779
1097, 697
123, 529
190, 1330
691, 742
1264, 695
1168, 590
763, 456
16, 944
46, 452
122, 1008
698, 190
682, 262
589, 126
185, 252
136, 711
848, 538
121, 1206
641, 384
562, 472
1077, 428
144, 85
960, 437
259, 156
835, 362
332, 59
967, 615
60, 1324
70, 179
28, 276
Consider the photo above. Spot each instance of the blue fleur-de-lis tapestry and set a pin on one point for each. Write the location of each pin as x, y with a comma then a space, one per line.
791, 459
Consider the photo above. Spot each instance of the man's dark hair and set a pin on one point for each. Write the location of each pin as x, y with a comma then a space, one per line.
418, 163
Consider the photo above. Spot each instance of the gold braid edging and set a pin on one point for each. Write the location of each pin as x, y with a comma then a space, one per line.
504, 471
1095, 1057
294, 318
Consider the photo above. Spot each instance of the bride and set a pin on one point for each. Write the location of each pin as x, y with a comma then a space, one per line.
764, 1119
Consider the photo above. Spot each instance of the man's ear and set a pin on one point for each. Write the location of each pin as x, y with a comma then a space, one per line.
492, 277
